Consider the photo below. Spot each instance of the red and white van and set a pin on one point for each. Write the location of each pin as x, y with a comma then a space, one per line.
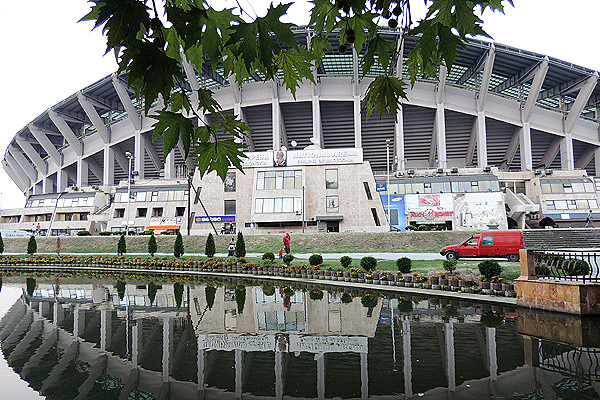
487, 244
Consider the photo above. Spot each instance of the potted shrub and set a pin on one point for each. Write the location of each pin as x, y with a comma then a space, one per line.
404, 264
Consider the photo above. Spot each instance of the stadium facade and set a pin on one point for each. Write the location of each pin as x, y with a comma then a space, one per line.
506, 138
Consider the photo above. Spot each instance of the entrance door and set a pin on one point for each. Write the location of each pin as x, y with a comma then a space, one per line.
333, 226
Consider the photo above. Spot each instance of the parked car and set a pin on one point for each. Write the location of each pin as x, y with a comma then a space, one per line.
487, 244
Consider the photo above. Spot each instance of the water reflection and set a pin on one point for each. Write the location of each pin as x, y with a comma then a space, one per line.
152, 339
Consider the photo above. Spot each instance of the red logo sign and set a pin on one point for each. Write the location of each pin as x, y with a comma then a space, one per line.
430, 214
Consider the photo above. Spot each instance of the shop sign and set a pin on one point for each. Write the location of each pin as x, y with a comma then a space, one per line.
381, 187
328, 344
429, 207
160, 223
214, 218
236, 341
430, 214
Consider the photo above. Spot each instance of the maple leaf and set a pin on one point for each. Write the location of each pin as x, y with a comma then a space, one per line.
218, 156
296, 65
383, 48
172, 126
383, 95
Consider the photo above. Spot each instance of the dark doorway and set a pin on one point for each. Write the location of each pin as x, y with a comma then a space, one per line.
333, 226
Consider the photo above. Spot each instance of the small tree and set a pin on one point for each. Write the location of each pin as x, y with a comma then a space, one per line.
268, 256
58, 245
288, 258
31, 285
152, 246
240, 246
210, 293
32, 246
209, 247
121, 246
404, 264
1, 245
449, 265
178, 292
346, 261
178, 248
121, 289
368, 263
489, 268
152, 289
315, 259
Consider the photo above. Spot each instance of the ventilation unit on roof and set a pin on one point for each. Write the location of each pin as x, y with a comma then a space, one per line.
537, 172
549, 171
487, 168
440, 170
454, 170
410, 171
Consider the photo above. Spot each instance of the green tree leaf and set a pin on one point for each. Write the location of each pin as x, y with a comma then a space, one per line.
172, 126
383, 95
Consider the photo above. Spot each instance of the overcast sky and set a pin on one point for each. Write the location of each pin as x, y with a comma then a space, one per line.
48, 56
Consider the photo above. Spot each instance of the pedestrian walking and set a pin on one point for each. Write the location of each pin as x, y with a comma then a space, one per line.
590, 220
286, 243
231, 248
280, 254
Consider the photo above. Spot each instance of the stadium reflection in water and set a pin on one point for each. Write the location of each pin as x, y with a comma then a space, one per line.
135, 341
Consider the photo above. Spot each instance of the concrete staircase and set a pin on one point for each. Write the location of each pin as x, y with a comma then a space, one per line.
554, 239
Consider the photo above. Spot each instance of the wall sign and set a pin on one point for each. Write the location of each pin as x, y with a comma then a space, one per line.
214, 218
302, 157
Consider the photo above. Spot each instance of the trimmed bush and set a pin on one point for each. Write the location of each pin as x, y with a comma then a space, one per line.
152, 246
105, 233
121, 289
209, 247
268, 256
178, 293
210, 292
83, 233
152, 289
1, 245
316, 294
240, 246
404, 264
178, 247
450, 265
346, 298
346, 261
315, 259
369, 301
368, 263
32, 246
122, 246
268, 290
31, 284
405, 306
240, 298
288, 258
118, 233
411, 227
489, 268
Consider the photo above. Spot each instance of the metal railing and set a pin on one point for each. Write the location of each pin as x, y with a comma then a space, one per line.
568, 265
582, 363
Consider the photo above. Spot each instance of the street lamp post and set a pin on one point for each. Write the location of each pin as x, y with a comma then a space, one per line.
129, 157
387, 188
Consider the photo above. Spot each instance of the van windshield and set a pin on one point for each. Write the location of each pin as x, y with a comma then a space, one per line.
472, 241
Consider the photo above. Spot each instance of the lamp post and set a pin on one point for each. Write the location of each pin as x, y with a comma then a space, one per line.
129, 157
387, 188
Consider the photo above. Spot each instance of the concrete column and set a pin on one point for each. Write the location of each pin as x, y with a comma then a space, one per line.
399, 159
167, 348
481, 140
317, 129
138, 150
567, 160
597, 160
135, 342
82, 172
490, 334
278, 375
276, 116
239, 370
109, 166
356, 101
61, 180
450, 361
58, 314
440, 136
46, 185
170, 166
525, 147
201, 362
321, 375
406, 349
78, 321
105, 329
364, 377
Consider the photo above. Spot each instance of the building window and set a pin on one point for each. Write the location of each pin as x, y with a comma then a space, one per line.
375, 216
179, 211
331, 179
333, 203
278, 180
83, 216
230, 182
142, 212
119, 212
68, 216
229, 207
157, 212
368, 191
278, 205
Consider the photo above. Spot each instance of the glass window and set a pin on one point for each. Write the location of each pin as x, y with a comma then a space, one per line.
487, 240
154, 196
571, 205
258, 206
368, 191
333, 203
180, 211
567, 187
593, 203
589, 187
69, 217
157, 212
230, 182
297, 204
142, 212
550, 204
495, 186
557, 187
269, 180
578, 187
436, 187
268, 205
331, 179
418, 187
288, 204
278, 205
427, 187
546, 188
582, 204
288, 180
475, 186
83, 216
401, 188
179, 195
465, 187
162, 195
455, 187
298, 179
279, 180
260, 181
141, 196
67, 203
485, 186
560, 204
170, 195
229, 207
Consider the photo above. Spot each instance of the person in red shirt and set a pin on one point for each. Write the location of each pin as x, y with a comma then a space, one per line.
286, 243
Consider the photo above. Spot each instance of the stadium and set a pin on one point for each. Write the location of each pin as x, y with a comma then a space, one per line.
506, 138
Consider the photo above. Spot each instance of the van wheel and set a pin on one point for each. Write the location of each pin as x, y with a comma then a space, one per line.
513, 257
451, 255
